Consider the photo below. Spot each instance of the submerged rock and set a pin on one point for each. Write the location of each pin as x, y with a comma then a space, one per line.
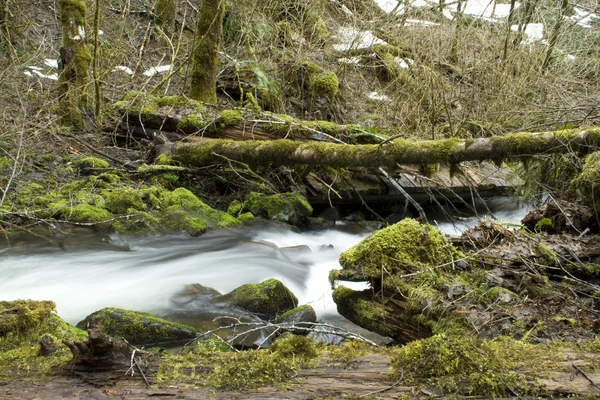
136, 327
267, 300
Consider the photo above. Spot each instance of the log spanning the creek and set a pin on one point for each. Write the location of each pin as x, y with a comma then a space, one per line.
400, 151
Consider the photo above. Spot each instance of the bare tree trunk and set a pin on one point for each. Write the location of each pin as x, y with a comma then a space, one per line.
457, 32
564, 9
509, 21
446, 151
529, 10
75, 62
205, 58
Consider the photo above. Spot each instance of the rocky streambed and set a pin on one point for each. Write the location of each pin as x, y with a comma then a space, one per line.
492, 313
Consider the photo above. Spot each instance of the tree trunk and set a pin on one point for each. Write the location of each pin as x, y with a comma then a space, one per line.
205, 57
445, 151
564, 9
166, 11
75, 62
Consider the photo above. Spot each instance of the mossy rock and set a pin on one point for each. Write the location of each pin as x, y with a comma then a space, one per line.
267, 300
405, 247
122, 201
286, 207
302, 316
137, 327
31, 336
89, 165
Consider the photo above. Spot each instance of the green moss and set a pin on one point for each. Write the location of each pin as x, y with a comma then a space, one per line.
234, 208
324, 84
461, 365
85, 213
137, 224
569, 321
191, 123
91, 163
543, 224
137, 327
166, 11
205, 56
4, 162
250, 102
366, 313
246, 217
229, 118
163, 159
267, 299
286, 207
405, 247
546, 254
587, 181
23, 323
124, 201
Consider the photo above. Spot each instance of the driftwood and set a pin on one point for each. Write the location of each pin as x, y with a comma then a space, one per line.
446, 151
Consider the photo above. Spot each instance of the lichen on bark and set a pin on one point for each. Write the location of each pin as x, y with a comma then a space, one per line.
75, 62
205, 57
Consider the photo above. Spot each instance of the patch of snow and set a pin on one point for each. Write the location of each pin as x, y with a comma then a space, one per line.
342, 7
404, 62
157, 70
81, 33
420, 22
52, 63
571, 57
377, 96
349, 60
34, 68
481, 9
352, 38
533, 33
583, 18
388, 5
446, 13
127, 70
53, 77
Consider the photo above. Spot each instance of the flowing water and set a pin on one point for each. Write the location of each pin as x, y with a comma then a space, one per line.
90, 272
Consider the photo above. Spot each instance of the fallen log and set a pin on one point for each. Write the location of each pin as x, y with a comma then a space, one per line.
400, 151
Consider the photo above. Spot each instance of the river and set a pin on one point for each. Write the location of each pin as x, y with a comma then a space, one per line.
88, 272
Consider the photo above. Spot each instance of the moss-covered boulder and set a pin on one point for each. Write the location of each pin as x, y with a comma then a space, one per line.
302, 316
405, 247
31, 336
137, 327
266, 300
290, 208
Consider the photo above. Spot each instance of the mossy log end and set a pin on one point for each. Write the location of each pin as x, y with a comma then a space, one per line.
445, 151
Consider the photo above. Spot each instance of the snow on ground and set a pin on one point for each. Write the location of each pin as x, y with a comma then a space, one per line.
52, 63
157, 70
404, 62
352, 38
127, 70
533, 33
377, 96
583, 18
481, 9
36, 71
349, 60
420, 22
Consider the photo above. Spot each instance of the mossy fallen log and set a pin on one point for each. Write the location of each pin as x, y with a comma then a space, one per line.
400, 151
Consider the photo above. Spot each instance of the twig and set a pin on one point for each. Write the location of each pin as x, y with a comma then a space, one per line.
586, 376
142, 373
385, 389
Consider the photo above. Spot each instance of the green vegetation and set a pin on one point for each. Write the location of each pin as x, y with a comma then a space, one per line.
23, 325
136, 327
267, 299
286, 207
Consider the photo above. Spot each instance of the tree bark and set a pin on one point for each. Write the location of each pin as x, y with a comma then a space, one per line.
166, 11
445, 151
205, 57
75, 62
